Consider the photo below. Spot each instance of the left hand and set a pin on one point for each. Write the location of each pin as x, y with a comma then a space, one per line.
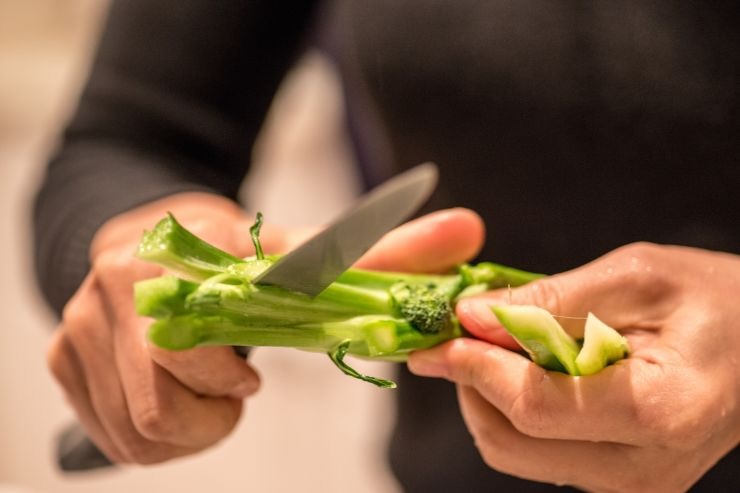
656, 421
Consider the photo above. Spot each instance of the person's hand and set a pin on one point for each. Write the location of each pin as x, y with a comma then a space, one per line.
653, 422
138, 403
434, 243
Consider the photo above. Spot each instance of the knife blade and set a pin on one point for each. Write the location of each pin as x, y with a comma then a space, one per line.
315, 264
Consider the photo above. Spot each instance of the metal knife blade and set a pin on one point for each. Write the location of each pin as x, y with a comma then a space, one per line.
315, 264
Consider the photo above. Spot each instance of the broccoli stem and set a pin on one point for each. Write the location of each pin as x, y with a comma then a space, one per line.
254, 233
174, 247
364, 313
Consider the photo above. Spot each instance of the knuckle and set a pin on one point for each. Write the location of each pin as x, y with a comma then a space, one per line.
111, 265
640, 258
655, 416
142, 452
649, 417
154, 423
56, 359
672, 418
111, 261
490, 446
547, 294
497, 454
638, 249
646, 269
82, 322
527, 414
115, 270
75, 314
204, 372
490, 455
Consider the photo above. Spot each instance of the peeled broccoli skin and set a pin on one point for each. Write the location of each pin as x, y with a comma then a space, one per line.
365, 313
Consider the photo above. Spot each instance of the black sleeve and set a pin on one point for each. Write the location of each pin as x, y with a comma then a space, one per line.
174, 101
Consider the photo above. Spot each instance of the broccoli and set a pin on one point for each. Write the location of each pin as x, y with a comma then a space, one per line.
552, 348
364, 313
426, 308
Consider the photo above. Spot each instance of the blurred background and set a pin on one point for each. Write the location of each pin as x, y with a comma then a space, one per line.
310, 428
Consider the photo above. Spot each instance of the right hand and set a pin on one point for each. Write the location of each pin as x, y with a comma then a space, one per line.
138, 403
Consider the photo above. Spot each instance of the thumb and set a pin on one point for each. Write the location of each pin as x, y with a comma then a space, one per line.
623, 288
432, 243
552, 294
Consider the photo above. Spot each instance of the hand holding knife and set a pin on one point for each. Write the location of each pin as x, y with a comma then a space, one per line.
308, 269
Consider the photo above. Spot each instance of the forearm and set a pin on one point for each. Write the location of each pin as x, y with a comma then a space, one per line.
174, 101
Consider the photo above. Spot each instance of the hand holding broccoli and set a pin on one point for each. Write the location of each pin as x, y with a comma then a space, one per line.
655, 421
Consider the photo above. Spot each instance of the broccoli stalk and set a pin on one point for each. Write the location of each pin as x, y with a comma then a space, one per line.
370, 314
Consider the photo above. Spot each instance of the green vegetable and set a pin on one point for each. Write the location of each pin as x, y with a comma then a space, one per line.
602, 346
537, 331
547, 343
370, 314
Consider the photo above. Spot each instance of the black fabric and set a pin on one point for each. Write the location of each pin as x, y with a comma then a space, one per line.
573, 127
175, 99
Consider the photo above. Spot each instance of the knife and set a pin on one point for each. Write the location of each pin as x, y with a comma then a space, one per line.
309, 269
318, 262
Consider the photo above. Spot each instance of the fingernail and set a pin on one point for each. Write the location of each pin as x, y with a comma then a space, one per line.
478, 319
427, 364
244, 389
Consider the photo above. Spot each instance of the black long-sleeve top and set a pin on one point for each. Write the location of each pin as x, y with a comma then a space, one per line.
572, 127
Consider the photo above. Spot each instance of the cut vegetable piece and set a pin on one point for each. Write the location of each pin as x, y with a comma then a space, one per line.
172, 246
537, 331
602, 346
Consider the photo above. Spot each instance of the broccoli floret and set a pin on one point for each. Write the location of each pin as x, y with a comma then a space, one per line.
426, 308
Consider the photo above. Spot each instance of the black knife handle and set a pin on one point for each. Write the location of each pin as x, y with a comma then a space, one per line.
76, 452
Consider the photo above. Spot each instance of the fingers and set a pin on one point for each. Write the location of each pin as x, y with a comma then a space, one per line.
86, 327
476, 316
630, 288
209, 371
432, 243
162, 408
541, 404
591, 466
141, 404
134, 408
506, 449
65, 366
